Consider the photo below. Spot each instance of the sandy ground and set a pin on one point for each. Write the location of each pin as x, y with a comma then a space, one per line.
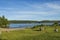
10, 29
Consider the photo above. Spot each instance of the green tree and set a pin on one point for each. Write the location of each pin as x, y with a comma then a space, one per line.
56, 24
3, 22
0, 21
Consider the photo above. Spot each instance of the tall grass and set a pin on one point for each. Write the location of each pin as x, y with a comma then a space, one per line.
29, 34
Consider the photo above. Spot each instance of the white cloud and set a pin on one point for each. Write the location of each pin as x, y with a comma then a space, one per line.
43, 13
54, 6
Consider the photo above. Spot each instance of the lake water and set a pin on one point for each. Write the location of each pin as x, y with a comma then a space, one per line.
23, 25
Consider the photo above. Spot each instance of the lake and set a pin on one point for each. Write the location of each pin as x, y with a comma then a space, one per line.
23, 25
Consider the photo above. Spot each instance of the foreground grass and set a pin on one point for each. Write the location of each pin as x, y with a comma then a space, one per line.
29, 34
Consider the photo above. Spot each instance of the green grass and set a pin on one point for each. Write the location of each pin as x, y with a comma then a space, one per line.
30, 34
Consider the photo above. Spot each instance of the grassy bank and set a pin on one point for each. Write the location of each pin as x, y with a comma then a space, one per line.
29, 34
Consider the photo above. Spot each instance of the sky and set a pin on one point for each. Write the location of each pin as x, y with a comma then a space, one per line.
30, 9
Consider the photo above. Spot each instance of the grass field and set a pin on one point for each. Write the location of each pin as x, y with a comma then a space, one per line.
29, 34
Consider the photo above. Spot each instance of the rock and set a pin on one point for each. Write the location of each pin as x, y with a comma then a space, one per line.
42, 29
56, 30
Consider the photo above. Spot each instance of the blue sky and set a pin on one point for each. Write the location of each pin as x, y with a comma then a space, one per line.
30, 9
